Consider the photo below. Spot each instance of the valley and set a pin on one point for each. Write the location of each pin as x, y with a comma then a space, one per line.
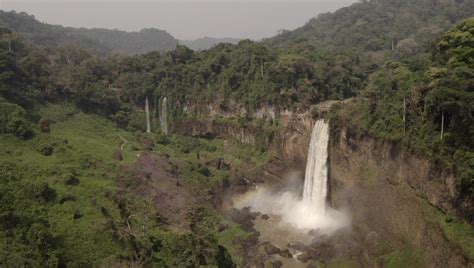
345, 143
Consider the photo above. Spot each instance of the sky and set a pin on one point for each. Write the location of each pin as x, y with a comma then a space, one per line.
184, 19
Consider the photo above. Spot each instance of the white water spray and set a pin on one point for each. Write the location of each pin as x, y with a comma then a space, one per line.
164, 116
316, 176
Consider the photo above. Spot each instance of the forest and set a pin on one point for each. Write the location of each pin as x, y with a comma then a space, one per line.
65, 93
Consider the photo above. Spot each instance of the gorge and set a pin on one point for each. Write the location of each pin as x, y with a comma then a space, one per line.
347, 142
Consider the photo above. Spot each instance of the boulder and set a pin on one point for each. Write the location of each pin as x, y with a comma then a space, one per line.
285, 253
271, 249
303, 257
273, 264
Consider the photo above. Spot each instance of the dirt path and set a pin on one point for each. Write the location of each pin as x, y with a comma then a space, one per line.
124, 142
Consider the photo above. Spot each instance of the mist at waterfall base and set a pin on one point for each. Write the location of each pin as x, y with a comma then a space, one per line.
309, 211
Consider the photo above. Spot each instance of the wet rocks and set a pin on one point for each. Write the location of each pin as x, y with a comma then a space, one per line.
285, 253
297, 246
244, 217
303, 257
273, 264
271, 249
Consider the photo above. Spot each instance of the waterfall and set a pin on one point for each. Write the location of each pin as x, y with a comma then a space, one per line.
316, 175
147, 112
164, 116
311, 211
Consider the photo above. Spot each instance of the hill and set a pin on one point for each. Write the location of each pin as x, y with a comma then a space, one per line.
378, 25
103, 41
207, 42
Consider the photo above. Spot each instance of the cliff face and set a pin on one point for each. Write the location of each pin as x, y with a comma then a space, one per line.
398, 167
397, 196
288, 139
397, 200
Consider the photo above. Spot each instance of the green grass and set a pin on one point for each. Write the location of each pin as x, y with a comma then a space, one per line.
402, 259
368, 174
342, 264
227, 237
460, 232
83, 147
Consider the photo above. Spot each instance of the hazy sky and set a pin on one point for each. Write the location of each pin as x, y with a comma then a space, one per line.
184, 19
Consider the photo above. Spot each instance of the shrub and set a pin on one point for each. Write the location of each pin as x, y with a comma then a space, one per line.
314, 112
162, 139
72, 180
13, 121
43, 192
448, 219
44, 125
46, 149
203, 170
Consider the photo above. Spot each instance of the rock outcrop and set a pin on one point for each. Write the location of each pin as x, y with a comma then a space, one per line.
394, 198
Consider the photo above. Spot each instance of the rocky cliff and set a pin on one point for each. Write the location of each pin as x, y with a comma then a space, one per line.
399, 202
398, 197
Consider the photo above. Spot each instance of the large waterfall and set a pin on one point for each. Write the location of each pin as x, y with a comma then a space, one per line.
164, 116
311, 211
316, 176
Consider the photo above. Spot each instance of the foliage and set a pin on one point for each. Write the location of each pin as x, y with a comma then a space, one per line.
460, 232
430, 111
62, 210
405, 258
14, 121
379, 25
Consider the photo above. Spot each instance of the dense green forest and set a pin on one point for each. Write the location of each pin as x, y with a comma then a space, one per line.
379, 25
62, 203
430, 110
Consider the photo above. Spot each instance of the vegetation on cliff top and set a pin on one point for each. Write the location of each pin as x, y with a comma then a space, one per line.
429, 110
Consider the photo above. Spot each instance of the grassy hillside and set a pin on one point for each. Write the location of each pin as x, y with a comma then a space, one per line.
62, 202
